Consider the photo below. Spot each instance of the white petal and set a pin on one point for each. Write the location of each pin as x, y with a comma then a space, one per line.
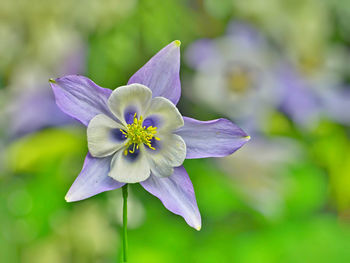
126, 170
160, 168
131, 98
101, 141
170, 153
164, 114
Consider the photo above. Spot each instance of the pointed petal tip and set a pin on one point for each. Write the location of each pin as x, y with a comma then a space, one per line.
215, 138
68, 200
177, 43
197, 222
161, 73
51, 80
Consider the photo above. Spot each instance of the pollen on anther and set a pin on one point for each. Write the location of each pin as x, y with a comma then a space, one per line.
138, 134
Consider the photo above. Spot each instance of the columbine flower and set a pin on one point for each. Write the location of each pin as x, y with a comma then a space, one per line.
308, 96
137, 135
235, 75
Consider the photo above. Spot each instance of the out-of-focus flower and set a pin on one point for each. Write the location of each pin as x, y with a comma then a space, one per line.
41, 112
136, 134
235, 75
317, 92
298, 99
34, 107
238, 75
26, 104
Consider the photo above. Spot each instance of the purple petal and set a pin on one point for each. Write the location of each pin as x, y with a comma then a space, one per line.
298, 100
161, 73
92, 180
80, 98
216, 138
177, 195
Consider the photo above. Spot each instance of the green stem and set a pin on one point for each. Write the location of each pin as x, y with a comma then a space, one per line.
125, 222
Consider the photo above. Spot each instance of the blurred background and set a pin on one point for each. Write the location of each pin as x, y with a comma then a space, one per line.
279, 69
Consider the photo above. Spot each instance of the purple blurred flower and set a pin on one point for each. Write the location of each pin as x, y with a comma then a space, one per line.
35, 108
306, 101
40, 112
298, 100
241, 76
136, 134
235, 75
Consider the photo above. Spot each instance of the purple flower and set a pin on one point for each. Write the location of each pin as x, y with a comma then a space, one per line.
137, 135
306, 101
235, 75
41, 112
35, 108
298, 99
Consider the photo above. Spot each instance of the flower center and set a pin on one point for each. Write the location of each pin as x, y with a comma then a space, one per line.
239, 80
137, 134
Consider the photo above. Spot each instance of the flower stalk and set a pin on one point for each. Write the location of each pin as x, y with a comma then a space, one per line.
125, 222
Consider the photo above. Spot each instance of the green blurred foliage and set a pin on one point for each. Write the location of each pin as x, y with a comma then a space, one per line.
115, 54
331, 148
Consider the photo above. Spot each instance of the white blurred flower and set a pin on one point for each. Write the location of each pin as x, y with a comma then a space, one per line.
235, 75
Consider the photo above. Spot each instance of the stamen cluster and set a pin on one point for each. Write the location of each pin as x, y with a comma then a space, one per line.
137, 134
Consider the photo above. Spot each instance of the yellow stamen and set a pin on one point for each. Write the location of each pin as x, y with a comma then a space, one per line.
138, 134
